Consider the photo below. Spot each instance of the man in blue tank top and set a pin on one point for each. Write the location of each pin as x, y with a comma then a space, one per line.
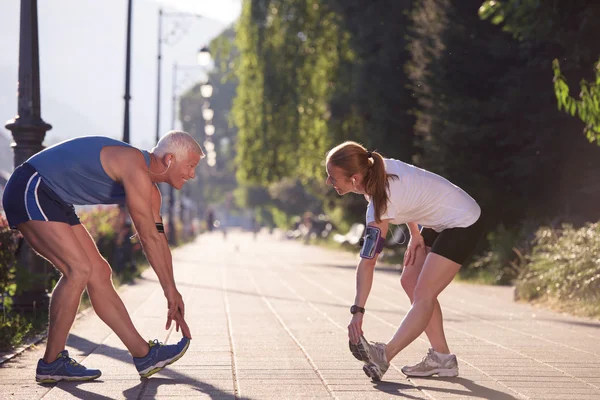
38, 201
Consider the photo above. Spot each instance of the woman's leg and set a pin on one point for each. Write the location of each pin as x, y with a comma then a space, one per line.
435, 328
436, 274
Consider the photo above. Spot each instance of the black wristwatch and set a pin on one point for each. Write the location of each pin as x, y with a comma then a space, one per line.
354, 309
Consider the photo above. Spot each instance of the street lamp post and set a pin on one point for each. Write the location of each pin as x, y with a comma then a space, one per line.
161, 39
204, 60
127, 96
28, 131
123, 251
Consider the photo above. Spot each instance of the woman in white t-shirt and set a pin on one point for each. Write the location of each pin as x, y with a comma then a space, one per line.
400, 193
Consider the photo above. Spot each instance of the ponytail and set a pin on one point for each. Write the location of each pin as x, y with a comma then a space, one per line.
377, 184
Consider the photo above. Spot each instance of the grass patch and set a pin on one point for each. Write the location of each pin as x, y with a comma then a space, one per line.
571, 306
18, 327
562, 270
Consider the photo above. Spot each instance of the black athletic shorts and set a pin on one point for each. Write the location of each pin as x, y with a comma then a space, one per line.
455, 244
28, 198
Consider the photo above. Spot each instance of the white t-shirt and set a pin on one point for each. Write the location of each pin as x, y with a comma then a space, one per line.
425, 198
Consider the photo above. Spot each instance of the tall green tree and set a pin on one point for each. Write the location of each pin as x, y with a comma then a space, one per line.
569, 30
315, 73
487, 117
289, 52
562, 31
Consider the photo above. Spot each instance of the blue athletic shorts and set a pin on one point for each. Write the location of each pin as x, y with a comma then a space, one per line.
27, 198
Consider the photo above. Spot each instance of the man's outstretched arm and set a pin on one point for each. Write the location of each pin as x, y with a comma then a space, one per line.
145, 212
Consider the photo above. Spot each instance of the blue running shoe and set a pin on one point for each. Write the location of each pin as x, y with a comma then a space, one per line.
160, 356
64, 368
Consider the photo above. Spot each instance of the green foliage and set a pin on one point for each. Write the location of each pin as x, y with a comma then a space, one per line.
252, 196
290, 196
587, 108
281, 219
519, 16
464, 75
564, 30
312, 74
289, 52
564, 265
8, 262
14, 327
501, 262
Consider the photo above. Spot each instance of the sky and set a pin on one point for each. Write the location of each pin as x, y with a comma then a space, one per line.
82, 62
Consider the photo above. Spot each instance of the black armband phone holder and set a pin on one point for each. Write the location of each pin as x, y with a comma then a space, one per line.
372, 242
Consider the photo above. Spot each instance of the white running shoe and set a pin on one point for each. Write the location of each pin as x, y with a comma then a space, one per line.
433, 364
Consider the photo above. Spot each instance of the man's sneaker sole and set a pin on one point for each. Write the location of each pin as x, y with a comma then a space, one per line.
360, 352
57, 378
441, 372
159, 366
372, 371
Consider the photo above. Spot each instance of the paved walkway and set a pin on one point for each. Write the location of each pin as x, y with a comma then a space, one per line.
269, 321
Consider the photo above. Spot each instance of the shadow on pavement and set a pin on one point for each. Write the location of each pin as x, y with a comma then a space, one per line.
590, 324
74, 389
149, 388
391, 269
323, 303
145, 388
472, 389
395, 388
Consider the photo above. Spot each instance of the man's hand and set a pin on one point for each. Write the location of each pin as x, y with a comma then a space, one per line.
355, 328
415, 243
176, 312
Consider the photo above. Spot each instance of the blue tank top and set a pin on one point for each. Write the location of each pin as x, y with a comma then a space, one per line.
72, 169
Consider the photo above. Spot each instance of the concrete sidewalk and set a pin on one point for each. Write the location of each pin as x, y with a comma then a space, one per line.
268, 320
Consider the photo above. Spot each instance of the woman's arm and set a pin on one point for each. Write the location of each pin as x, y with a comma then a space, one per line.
364, 280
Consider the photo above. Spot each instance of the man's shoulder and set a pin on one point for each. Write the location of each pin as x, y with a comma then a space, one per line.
126, 155
126, 163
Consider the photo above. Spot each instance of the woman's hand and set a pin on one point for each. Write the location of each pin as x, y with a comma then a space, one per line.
415, 243
355, 328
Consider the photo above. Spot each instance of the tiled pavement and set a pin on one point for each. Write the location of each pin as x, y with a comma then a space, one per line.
268, 320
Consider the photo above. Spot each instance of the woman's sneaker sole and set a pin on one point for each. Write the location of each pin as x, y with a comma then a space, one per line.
359, 351
163, 364
372, 371
441, 372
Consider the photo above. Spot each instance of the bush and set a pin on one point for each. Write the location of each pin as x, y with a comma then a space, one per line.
564, 266
8, 248
501, 263
13, 326
111, 229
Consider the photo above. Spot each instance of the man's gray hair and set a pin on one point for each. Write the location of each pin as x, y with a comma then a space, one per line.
178, 143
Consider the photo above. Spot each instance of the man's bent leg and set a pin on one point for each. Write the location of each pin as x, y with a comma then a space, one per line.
56, 242
105, 300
